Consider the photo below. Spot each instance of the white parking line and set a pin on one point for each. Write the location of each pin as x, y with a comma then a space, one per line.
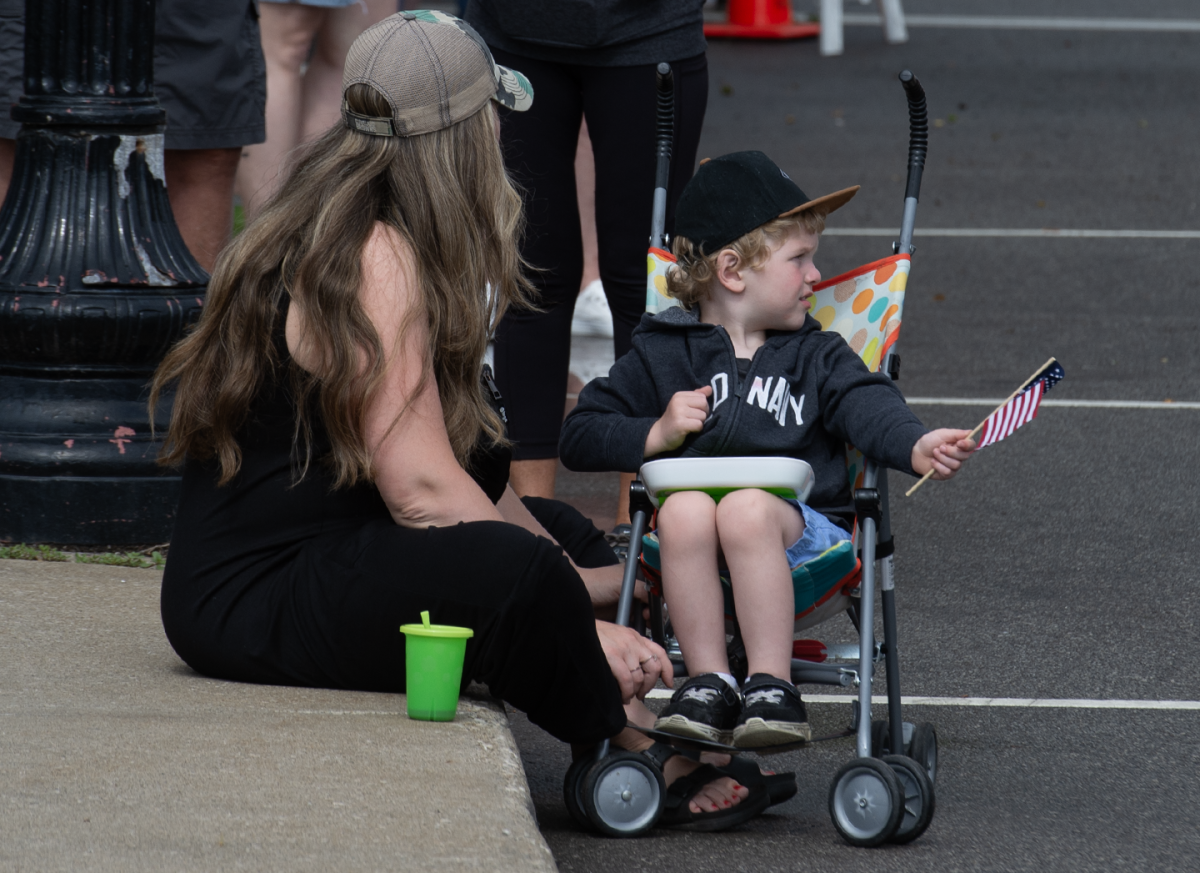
1021, 702
1084, 404
1017, 22
1017, 232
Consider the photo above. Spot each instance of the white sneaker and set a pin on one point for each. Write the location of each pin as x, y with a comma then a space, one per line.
592, 315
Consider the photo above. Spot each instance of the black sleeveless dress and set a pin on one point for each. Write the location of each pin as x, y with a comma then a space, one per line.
294, 583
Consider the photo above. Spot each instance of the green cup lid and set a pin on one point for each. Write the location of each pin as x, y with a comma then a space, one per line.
425, 629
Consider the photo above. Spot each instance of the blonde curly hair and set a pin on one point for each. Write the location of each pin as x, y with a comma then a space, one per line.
690, 280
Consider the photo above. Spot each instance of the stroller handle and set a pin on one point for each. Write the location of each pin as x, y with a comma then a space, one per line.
918, 132
918, 145
664, 137
665, 85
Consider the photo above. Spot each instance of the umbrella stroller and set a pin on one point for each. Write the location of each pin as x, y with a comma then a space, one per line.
886, 792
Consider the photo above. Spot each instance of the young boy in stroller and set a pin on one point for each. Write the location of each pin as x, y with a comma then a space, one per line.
741, 369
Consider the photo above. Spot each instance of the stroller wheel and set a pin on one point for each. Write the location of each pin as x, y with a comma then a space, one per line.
918, 797
924, 748
623, 795
573, 789
866, 802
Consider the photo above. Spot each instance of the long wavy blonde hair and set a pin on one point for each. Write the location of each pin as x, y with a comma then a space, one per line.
448, 196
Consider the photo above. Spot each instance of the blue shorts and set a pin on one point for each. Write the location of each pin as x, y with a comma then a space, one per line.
820, 534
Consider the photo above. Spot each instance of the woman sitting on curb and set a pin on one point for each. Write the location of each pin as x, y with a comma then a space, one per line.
329, 417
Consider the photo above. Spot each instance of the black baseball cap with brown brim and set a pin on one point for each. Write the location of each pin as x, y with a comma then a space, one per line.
731, 195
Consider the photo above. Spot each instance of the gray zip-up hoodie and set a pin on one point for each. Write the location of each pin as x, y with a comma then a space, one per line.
805, 395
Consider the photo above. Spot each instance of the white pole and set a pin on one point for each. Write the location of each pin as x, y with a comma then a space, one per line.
831, 27
894, 29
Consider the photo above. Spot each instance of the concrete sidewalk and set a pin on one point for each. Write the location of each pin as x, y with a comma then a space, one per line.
115, 756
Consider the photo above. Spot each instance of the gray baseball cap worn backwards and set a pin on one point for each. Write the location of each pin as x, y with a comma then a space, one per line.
434, 70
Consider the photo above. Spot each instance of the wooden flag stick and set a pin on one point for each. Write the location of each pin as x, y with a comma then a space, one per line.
979, 427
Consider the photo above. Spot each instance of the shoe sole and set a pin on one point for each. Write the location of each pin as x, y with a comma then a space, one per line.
757, 733
679, 726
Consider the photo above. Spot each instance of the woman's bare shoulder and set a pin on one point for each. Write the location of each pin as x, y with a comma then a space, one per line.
386, 253
389, 278
387, 282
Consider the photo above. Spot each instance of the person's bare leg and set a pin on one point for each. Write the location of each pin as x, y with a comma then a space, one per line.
287, 34
8, 156
623, 497
755, 528
534, 478
585, 195
321, 91
687, 535
200, 188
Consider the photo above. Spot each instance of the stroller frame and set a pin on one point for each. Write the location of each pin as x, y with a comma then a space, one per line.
886, 793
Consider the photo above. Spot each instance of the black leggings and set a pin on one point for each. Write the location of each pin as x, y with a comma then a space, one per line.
533, 350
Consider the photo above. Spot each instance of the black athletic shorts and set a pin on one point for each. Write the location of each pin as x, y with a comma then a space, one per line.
209, 72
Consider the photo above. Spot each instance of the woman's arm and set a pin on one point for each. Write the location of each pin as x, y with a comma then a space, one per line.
416, 471
603, 583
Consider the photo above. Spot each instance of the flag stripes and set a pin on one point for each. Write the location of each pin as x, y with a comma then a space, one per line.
1021, 407
1020, 410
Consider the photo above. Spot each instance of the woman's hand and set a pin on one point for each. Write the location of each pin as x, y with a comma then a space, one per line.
636, 662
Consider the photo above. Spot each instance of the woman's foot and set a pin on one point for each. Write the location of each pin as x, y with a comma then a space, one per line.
724, 792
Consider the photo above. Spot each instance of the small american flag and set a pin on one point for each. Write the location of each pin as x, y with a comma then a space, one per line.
1022, 408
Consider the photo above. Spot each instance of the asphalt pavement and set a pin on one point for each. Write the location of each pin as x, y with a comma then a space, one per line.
1061, 563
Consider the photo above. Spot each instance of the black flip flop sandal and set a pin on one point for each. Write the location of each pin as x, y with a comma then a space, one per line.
676, 813
780, 786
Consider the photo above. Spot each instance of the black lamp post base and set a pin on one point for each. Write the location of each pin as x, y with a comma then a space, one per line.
78, 460
87, 510
95, 284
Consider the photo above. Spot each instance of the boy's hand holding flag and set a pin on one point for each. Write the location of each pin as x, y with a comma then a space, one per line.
1020, 407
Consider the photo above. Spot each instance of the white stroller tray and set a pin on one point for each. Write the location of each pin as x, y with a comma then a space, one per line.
787, 477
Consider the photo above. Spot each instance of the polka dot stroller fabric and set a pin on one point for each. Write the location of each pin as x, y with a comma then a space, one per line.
865, 306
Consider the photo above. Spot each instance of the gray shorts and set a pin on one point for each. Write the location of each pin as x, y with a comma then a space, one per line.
209, 72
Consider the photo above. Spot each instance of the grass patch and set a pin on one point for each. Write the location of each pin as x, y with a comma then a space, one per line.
153, 561
22, 552
239, 218
145, 560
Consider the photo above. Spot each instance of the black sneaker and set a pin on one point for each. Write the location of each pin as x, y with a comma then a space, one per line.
618, 539
703, 708
772, 714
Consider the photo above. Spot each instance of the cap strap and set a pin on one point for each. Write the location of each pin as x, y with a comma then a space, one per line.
368, 124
